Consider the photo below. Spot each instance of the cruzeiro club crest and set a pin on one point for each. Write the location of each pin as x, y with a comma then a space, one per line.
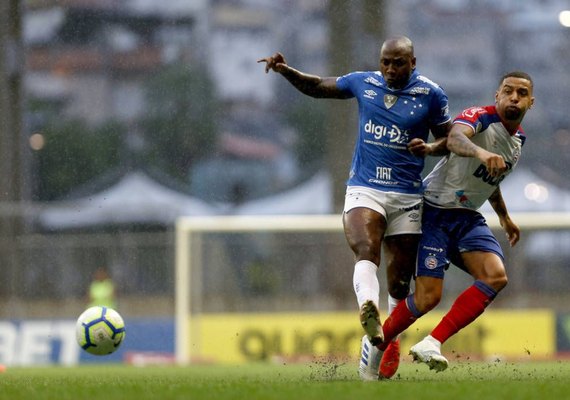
389, 100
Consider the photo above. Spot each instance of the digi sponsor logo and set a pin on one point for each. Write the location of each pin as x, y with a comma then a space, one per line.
394, 134
430, 262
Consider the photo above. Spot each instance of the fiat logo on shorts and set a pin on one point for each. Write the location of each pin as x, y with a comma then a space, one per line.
430, 262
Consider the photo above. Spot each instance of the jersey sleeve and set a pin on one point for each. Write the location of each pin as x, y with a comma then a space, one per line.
471, 117
439, 112
346, 84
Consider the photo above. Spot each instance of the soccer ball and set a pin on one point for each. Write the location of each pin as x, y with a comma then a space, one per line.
100, 330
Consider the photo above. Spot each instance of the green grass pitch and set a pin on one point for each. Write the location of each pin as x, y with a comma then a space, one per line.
316, 380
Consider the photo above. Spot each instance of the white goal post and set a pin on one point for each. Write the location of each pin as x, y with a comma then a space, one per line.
188, 230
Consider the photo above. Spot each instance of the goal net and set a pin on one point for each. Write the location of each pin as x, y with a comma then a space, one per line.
255, 288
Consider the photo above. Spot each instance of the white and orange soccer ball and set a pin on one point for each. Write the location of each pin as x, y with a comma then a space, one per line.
100, 330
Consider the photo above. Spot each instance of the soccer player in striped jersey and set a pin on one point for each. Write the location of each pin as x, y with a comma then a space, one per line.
485, 146
398, 107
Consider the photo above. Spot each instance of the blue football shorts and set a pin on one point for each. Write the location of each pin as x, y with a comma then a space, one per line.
448, 232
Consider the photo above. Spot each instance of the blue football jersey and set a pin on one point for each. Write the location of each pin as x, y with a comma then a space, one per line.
388, 120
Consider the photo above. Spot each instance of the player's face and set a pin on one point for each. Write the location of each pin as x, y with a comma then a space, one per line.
396, 65
514, 98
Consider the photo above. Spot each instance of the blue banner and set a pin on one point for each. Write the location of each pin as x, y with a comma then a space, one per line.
40, 342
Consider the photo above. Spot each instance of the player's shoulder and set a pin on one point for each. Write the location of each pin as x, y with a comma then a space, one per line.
477, 112
421, 84
479, 118
372, 77
418, 78
359, 81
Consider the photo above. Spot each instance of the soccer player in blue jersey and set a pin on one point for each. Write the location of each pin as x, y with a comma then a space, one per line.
398, 107
485, 145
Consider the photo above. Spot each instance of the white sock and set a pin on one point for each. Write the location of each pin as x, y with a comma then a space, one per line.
392, 303
365, 281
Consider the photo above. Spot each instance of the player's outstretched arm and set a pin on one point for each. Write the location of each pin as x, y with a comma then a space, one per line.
511, 229
436, 148
311, 85
459, 142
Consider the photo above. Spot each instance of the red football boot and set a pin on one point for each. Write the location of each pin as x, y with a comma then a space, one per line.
390, 360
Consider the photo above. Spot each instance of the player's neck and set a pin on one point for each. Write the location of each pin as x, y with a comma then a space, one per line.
511, 126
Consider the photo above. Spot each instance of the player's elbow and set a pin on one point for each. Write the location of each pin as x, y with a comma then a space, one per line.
451, 143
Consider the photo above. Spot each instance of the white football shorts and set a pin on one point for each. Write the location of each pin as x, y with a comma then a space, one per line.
403, 212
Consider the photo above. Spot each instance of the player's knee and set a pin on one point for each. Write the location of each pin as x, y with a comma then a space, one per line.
399, 289
498, 283
398, 280
497, 280
367, 250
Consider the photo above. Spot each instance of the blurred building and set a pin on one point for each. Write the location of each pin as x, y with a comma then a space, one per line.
467, 46
91, 57
90, 60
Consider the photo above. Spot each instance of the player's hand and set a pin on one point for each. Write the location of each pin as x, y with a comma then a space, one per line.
276, 62
418, 147
495, 164
512, 231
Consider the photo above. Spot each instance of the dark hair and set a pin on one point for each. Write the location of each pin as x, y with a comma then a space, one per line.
517, 74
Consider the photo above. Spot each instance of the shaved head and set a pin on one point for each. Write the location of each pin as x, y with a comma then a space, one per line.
400, 43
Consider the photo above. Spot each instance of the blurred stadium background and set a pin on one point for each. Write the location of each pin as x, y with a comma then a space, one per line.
118, 117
